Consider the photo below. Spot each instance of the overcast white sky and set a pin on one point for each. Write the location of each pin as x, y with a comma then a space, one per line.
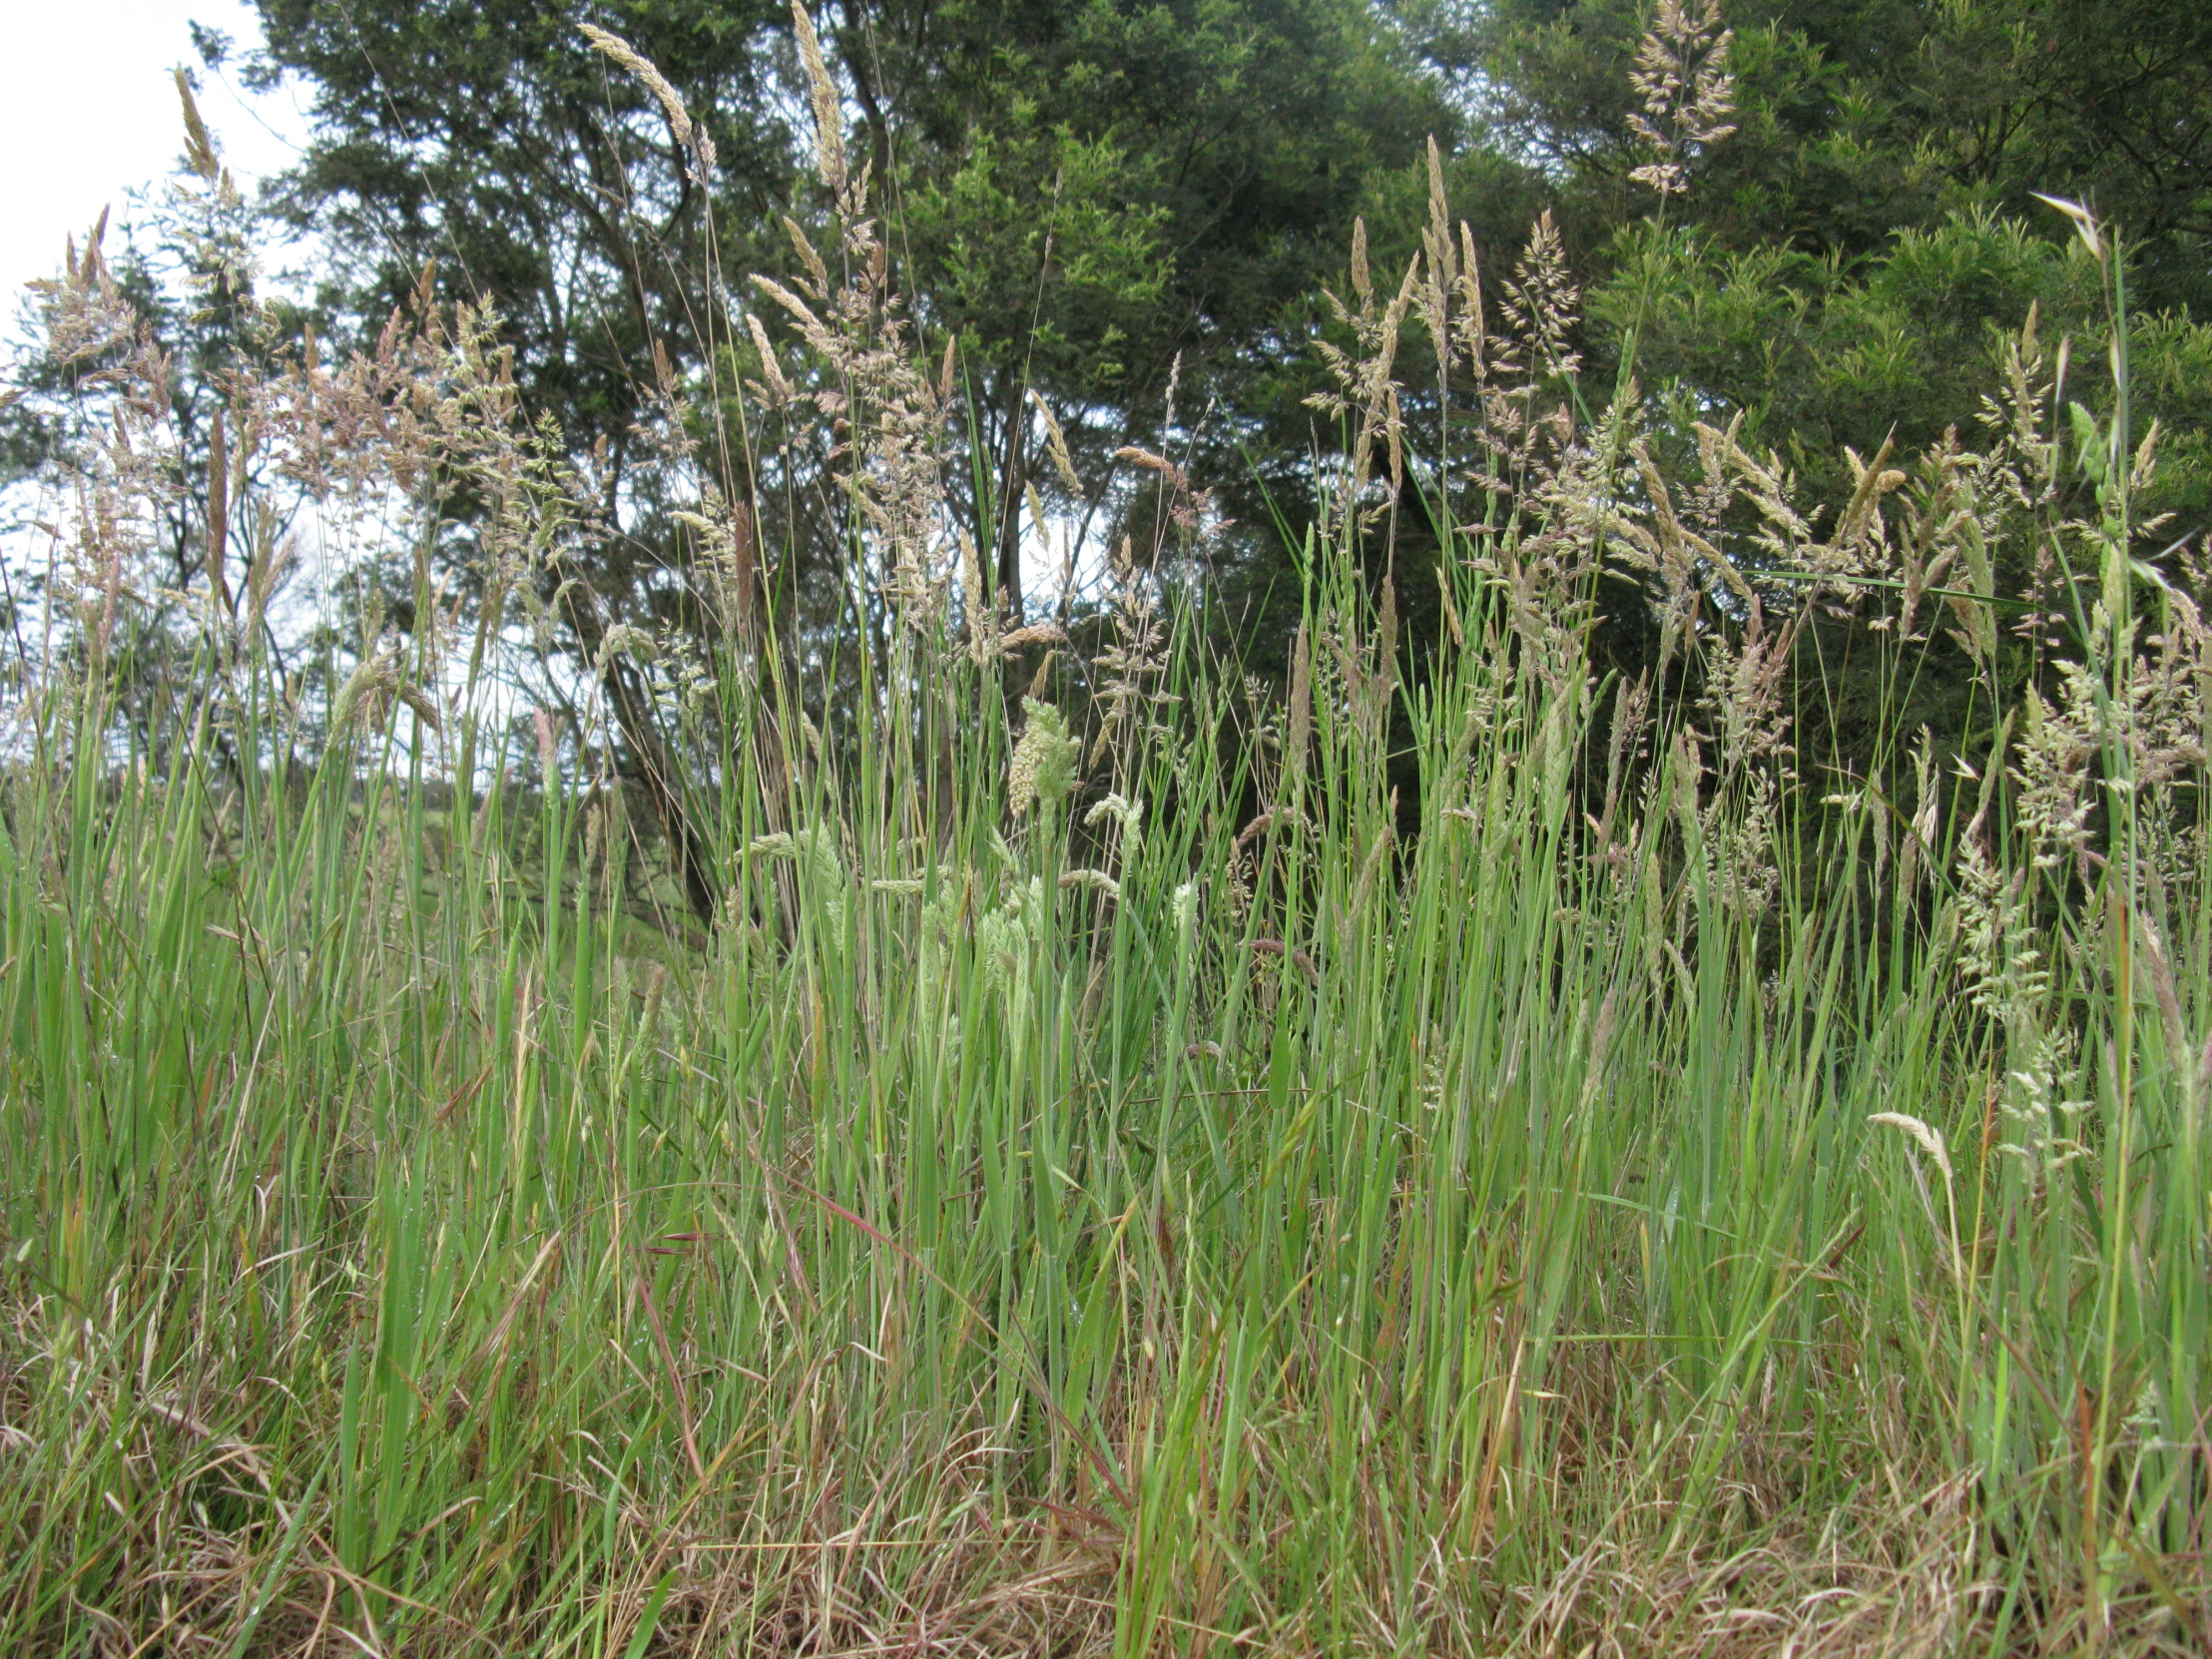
87, 111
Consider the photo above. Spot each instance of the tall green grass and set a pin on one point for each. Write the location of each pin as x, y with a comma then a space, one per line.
1661, 1194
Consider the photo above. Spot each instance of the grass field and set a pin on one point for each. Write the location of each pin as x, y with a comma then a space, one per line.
1118, 1175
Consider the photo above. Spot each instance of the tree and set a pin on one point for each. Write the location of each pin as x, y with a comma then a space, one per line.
1080, 192
137, 353
1859, 118
493, 139
1839, 268
1093, 194
1079, 196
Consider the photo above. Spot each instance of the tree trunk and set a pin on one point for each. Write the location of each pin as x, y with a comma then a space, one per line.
651, 763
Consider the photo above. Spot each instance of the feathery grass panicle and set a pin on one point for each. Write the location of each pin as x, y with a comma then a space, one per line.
688, 135
828, 108
1688, 92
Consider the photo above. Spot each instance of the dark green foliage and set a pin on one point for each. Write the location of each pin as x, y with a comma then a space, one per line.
494, 140
1078, 192
1844, 263
1090, 193
1858, 119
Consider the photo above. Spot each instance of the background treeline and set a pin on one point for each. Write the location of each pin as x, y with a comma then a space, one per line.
1126, 213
